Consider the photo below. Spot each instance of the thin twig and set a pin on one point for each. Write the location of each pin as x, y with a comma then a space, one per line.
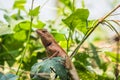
73, 5
112, 27
116, 22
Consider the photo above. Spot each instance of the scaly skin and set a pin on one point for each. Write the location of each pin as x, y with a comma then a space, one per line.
54, 50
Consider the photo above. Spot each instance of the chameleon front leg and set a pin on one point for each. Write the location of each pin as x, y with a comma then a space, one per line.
56, 55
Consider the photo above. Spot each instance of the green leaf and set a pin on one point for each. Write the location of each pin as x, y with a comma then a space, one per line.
19, 4
46, 65
39, 25
34, 12
58, 36
24, 25
10, 43
21, 35
95, 54
82, 14
81, 26
77, 20
10, 56
112, 55
17, 16
9, 77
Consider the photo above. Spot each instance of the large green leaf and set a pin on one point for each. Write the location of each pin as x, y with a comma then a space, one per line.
77, 20
47, 65
35, 11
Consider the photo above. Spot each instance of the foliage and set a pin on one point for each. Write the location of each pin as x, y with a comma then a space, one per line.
8, 77
49, 66
20, 47
77, 20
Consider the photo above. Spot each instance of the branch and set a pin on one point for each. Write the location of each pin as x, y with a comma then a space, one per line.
91, 30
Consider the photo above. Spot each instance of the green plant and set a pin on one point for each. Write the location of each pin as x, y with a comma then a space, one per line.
20, 47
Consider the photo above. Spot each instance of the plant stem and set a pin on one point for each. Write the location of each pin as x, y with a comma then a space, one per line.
28, 40
117, 59
91, 30
83, 4
69, 35
73, 5
68, 39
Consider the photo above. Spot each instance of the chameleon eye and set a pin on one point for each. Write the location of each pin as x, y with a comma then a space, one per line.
44, 31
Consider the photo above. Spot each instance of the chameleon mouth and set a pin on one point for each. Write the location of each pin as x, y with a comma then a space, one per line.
38, 31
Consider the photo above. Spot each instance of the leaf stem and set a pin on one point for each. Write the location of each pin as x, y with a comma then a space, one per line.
73, 5
68, 39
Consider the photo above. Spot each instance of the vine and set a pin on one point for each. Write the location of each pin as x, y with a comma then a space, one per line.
28, 39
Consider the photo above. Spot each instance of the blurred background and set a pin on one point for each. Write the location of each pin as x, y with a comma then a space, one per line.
49, 7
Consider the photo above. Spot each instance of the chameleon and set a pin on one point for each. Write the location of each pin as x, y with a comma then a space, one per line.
55, 50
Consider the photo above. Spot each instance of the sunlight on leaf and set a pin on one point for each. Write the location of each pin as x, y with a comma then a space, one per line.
25, 25
22, 25
35, 11
61, 37
39, 25
77, 20
21, 35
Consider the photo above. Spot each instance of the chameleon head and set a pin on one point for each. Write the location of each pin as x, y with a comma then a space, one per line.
41, 32
45, 36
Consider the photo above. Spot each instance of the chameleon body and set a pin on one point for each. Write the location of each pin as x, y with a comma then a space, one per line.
54, 50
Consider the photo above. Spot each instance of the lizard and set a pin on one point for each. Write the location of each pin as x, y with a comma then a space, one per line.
55, 50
